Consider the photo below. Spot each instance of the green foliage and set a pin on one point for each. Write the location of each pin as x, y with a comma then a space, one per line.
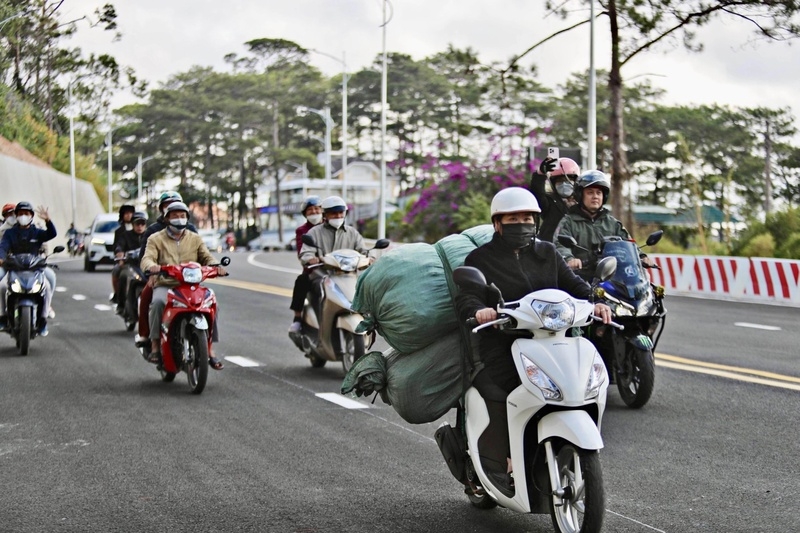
790, 249
780, 225
762, 245
475, 210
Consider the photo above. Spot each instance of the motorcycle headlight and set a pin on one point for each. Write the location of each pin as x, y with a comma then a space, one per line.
178, 303
192, 275
16, 286
347, 263
597, 377
620, 310
37, 286
555, 316
538, 377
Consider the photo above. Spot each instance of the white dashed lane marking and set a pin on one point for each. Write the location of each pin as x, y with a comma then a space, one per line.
241, 361
61, 289
756, 326
102, 307
338, 399
79, 297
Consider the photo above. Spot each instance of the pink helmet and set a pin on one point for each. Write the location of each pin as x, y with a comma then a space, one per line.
566, 167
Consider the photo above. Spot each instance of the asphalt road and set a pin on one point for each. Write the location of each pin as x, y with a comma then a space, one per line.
92, 440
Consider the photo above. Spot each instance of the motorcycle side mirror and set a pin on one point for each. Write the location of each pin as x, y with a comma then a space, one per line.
380, 244
569, 241
606, 268
654, 238
225, 261
58, 249
465, 275
309, 240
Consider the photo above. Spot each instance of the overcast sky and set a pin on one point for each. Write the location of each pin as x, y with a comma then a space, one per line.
164, 37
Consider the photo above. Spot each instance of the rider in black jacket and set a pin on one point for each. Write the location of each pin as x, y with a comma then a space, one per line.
562, 174
25, 238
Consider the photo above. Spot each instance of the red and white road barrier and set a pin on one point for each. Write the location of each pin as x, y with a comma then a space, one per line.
760, 280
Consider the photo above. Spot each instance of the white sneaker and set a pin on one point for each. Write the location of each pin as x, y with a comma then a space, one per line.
296, 327
51, 313
139, 340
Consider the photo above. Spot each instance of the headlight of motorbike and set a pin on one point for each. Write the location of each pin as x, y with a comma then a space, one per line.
621, 310
192, 275
538, 377
16, 286
555, 316
37, 286
347, 263
180, 304
597, 377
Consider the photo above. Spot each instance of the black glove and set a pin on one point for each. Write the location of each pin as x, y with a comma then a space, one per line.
547, 165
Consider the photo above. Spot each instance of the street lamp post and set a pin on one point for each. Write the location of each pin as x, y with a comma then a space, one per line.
343, 61
382, 207
139, 174
71, 149
325, 114
110, 149
591, 130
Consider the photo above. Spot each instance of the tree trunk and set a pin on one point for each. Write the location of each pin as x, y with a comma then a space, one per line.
619, 161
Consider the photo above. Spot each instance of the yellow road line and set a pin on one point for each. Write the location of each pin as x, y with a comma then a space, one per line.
748, 375
681, 361
251, 286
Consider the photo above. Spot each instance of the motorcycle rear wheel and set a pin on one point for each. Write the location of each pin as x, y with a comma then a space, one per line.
583, 511
636, 376
197, 366
25, 324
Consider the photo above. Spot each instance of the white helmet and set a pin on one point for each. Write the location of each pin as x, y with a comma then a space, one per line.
334, 203
514, 200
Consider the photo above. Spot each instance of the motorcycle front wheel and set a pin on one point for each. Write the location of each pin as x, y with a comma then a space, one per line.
636, 376
583, 504
25, 324
197, 365
352, 349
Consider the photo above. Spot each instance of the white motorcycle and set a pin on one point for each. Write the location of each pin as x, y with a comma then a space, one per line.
333, 336
554, 416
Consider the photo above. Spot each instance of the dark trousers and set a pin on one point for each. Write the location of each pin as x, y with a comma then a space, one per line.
301, 287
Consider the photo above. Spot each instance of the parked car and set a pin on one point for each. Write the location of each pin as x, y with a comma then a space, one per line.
100, 241
268, 240
212, 239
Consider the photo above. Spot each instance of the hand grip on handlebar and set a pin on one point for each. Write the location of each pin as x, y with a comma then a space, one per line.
612, 324
472, 322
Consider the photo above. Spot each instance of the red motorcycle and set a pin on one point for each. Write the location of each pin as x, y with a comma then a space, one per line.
187, 323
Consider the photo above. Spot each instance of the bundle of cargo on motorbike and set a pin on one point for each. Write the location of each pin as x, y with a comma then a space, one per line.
407, 297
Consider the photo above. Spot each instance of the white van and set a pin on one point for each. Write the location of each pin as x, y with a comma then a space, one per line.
100, 241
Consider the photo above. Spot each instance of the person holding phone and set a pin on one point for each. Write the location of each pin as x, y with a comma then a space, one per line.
562, 173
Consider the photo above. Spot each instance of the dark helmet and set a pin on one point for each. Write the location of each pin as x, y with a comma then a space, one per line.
167, 197
592, 178
23, 206
309, 202
139, 215
126, 208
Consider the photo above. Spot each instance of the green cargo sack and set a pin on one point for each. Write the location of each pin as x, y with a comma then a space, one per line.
420, 386
407, 296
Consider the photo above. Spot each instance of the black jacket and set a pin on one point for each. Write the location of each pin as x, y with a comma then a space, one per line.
19, 240
552, 205
125, 240
536, 267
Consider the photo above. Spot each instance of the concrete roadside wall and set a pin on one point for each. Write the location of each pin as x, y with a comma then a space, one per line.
42, 185
756, 280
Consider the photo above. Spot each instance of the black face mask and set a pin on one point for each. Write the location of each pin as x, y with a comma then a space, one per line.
518, 235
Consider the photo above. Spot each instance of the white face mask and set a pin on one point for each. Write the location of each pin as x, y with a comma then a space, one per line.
24, 220
179, 223
11, 220
336, 222
314, 219
128, 227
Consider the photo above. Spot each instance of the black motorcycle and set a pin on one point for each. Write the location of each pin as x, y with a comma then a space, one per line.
638, 305
132, 289
25, 296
